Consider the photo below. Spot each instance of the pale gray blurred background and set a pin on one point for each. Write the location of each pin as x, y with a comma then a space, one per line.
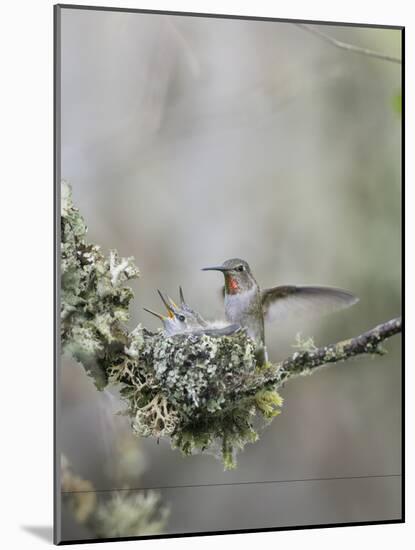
188, 141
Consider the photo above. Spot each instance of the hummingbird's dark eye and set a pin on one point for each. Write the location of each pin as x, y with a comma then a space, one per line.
239, 268
181, 318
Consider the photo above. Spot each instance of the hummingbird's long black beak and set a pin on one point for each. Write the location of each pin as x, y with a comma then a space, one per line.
215, 268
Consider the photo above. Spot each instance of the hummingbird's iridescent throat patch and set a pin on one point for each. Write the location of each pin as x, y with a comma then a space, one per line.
232, 286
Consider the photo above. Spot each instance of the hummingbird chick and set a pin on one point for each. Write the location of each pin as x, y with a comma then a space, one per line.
185, 320
249, 306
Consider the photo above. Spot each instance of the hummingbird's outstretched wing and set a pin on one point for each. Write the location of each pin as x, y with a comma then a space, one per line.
281, 301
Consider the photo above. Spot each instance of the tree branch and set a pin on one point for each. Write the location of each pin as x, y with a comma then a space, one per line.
307, 361
348, 47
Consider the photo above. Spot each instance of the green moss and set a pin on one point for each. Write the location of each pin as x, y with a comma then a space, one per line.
269, 402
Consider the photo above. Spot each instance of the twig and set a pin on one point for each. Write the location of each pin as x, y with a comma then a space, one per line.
305, 361
349, 47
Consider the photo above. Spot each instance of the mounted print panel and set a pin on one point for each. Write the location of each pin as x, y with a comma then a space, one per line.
228, 274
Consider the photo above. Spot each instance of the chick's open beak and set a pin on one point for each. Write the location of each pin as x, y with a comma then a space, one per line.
161, 317
173, 306
169, 308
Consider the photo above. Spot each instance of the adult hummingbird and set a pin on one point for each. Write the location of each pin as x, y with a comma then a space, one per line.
249, 306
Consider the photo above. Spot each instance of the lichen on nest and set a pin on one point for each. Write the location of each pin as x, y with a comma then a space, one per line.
193, 389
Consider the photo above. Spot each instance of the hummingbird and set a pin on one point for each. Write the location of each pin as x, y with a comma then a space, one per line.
185, 320
249, 306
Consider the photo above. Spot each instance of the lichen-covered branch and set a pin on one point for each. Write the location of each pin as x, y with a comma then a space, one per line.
112, 514
306, 361
94, 298
348, 47
205, 394
367, 343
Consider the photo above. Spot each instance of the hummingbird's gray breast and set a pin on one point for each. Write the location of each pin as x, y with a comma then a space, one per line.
245, 308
